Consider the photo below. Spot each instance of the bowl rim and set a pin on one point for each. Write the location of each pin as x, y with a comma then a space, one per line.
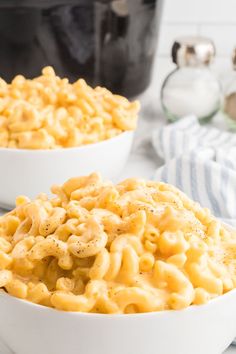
87, 315
73, 148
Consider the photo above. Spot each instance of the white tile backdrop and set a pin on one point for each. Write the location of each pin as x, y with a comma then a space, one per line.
212, 18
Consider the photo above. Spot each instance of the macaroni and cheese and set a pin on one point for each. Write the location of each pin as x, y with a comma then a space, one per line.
137, 246
48, 112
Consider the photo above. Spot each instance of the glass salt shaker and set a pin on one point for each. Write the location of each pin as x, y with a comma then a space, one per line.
191, 88
230, 97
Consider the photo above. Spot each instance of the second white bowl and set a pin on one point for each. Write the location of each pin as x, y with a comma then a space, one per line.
30, 172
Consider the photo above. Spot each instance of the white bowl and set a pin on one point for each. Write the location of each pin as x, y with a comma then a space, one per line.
30, 172
32, 329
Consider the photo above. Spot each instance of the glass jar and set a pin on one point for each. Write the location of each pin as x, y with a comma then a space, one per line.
191, 88
230, 97
107, 42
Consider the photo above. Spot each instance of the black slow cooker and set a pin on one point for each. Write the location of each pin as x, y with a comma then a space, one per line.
107, 42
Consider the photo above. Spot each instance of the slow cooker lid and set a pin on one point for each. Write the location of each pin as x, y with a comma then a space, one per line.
43, 3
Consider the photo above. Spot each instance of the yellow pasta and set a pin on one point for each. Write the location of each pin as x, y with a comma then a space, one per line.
48, 112
137, 246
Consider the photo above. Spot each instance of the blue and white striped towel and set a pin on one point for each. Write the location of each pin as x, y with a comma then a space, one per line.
201, 161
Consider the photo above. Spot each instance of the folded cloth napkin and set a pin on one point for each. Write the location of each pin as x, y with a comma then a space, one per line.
201, 161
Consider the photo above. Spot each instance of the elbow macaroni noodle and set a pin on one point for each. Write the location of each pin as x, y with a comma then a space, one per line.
48, 112
137, 246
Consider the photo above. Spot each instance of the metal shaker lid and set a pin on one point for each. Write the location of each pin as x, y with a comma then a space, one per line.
234, 58
193, 51
120, 7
